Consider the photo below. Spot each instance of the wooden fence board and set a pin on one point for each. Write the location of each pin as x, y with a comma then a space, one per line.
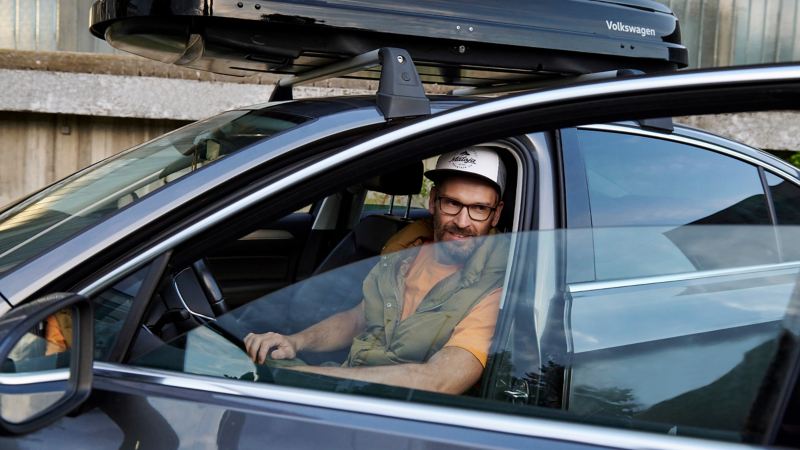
39, 149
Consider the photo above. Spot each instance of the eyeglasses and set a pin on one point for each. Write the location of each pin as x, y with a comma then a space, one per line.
453, 207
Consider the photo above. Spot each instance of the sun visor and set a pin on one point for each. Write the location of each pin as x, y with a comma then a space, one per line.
452, 42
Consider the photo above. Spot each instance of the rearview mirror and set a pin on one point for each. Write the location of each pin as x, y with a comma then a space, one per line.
46, 350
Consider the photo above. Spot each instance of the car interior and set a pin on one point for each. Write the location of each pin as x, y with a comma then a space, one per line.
310, 263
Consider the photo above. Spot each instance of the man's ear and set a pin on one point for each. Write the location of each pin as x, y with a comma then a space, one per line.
432, 200
497, 212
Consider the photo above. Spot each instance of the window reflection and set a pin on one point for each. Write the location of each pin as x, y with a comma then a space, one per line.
689, 354
671, 187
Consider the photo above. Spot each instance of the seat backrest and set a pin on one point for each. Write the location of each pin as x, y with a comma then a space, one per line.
367, 238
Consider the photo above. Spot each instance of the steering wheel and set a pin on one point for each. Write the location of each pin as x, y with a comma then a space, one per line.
216, 301
213, 293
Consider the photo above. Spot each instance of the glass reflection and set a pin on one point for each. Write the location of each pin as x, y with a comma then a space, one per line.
35, 376
682, 352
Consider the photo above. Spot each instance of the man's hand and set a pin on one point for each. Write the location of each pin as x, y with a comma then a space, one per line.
333, 333
451, 370
274, 345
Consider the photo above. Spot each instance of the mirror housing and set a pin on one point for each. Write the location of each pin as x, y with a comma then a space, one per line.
73, 381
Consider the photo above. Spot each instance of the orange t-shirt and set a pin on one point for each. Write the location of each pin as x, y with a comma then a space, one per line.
474, 332
54, 335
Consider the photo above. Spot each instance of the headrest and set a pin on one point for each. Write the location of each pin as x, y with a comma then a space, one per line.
405, 180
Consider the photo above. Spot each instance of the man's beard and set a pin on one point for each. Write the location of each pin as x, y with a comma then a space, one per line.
453, 252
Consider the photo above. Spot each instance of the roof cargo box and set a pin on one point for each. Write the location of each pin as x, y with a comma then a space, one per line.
451, 41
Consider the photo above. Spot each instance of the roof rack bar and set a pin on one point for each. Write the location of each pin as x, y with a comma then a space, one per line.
531, 84
358, 62
283, 88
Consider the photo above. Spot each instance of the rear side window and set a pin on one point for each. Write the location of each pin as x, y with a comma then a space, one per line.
666, 187
786, 198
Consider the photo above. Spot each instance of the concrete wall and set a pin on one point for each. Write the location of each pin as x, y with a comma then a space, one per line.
62, 111
129, 86
775, 131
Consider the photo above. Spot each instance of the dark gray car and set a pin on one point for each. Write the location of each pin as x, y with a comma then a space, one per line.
649, 301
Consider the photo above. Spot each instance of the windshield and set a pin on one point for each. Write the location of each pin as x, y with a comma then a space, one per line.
81, 200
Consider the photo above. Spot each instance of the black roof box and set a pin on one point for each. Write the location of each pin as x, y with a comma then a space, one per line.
451, 41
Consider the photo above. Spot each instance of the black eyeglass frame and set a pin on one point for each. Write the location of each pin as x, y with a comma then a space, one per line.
492, 209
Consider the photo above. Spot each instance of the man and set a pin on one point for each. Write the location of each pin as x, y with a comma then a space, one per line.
428, 314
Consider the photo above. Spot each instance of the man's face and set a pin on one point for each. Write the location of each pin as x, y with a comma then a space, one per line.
456, 232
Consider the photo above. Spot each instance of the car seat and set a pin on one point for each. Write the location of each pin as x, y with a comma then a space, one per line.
368, 237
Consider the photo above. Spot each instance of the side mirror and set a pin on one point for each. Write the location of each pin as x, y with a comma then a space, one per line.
46, 353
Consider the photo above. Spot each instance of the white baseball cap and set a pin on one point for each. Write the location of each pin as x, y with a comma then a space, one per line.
476, 161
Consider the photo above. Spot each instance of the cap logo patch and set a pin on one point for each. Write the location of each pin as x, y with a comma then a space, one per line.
463, 160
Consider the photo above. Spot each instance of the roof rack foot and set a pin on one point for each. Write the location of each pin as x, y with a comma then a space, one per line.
281, 93
400, 93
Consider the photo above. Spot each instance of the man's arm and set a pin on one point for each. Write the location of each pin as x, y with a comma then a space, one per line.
451, 370
333, 333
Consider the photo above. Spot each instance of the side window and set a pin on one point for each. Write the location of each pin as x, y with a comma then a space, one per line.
786, 198
692, 355
330, 322
668, 189
684, 353
111, 308
380, 203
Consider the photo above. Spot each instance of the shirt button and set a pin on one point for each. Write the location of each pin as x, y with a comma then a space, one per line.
388, 305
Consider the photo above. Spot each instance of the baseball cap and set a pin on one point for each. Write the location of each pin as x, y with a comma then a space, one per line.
475, 161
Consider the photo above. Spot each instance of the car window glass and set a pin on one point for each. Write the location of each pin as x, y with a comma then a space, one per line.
690, 353
75, 203
396, 205
641, 181
786, 198
111, 308
305, 209
647, 356
382, 203
340, 290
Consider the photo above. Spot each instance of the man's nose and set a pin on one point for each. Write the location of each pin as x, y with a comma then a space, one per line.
462, 219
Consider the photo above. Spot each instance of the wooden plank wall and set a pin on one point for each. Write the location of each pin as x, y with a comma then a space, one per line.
48, 25
737, 32
38, 149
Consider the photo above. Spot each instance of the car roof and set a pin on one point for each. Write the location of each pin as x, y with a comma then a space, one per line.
323, 106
